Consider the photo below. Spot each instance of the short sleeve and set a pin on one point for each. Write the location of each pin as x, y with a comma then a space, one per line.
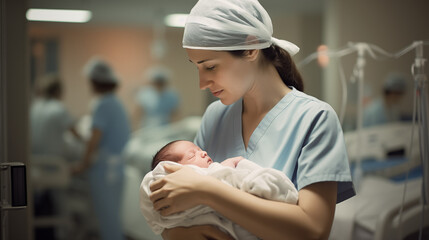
100, 116
324, 155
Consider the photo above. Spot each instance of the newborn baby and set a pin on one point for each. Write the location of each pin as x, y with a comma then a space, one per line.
185, 152
238, 172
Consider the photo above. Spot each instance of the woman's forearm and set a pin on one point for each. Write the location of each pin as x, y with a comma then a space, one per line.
310, 219
90, 149
92, 145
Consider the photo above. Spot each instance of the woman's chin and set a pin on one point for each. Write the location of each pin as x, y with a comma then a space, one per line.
226, 101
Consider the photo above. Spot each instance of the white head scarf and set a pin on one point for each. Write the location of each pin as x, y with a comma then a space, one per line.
226, 25
99, 70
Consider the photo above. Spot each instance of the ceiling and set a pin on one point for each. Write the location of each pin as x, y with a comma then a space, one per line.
150, 11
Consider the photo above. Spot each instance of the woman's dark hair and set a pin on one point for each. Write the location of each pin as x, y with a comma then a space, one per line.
283, 62
103, 87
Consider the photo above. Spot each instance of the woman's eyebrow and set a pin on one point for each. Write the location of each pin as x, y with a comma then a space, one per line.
202, 61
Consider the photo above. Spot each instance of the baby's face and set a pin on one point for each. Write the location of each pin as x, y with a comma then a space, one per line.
191, 154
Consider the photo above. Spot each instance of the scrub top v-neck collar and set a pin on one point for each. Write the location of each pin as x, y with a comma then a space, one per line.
262, 126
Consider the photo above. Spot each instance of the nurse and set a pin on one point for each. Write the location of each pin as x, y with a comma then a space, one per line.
158, 102
110, 133
264, 116
384, 109
50, 119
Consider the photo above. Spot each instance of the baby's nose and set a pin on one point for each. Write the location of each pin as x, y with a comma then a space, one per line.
203, 154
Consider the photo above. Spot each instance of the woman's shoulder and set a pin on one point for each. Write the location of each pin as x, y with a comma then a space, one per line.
108, 102
310, 104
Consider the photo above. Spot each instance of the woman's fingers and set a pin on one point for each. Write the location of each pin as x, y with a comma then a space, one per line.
155, 185
170, 168
161, 204
157, 195
177, 191
166, 210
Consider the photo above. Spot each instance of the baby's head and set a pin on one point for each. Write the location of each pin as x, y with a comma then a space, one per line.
183, 152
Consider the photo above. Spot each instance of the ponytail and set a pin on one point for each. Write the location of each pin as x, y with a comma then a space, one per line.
285, 66
283, 63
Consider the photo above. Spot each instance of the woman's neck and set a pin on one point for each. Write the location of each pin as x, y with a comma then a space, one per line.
266, 92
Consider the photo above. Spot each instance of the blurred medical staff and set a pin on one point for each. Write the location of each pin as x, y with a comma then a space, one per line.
157, 101
110, 133
49, 121
49, 118
385, 109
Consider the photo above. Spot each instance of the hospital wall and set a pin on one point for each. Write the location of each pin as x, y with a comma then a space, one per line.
391, 25
128, 49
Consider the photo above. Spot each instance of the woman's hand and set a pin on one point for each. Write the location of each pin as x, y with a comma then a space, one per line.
202, 232
182, 189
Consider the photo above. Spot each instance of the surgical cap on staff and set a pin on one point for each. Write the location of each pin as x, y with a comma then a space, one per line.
395, 82
226, 25
158, 75
97, 70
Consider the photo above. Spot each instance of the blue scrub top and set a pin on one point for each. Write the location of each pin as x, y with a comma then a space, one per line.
300, 136
377, 113
157, 106
110, 118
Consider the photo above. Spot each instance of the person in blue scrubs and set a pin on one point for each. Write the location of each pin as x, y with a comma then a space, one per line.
263, 115
385, 109
50, 120
158, 102
102, 160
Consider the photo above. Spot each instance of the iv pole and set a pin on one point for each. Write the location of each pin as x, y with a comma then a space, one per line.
420, 113
420, 82
338, 54
359, 73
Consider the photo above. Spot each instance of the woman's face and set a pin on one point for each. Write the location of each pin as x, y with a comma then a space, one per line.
226, 76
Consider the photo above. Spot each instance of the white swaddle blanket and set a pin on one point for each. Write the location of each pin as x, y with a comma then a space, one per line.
266, 183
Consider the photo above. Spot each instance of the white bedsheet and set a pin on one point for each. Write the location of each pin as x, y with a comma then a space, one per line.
376, 196
263, 182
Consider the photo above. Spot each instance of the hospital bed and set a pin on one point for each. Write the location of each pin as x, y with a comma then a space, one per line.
69, 211
49, 173
145, 142
138, 155
374, 212
380, 142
